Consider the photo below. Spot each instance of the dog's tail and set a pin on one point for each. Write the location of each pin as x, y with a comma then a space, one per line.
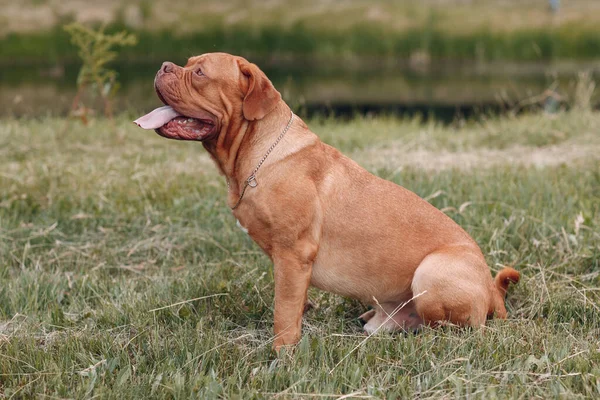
505, 277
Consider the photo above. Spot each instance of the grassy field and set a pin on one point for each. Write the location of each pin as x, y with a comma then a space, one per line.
123, 274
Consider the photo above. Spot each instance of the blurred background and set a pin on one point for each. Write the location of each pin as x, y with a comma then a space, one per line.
443, 59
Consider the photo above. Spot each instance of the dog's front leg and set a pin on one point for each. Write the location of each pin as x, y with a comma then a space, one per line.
292, 279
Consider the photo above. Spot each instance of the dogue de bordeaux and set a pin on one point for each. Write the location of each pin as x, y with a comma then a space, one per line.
322, 219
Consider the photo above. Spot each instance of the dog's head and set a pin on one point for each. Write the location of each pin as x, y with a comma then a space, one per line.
206, 94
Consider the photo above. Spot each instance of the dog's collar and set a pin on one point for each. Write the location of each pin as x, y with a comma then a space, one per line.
251, 181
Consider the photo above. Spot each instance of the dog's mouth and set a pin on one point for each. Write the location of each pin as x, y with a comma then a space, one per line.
170, 124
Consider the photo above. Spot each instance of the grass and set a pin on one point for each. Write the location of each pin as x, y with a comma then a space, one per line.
359, 43
441, 30
107, 234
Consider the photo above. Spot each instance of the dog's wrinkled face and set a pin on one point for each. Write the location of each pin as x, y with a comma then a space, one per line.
206, 93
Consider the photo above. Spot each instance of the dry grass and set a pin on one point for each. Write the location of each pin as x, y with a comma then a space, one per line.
398, 156
457, 16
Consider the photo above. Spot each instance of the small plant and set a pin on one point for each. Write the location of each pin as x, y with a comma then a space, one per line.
96, 50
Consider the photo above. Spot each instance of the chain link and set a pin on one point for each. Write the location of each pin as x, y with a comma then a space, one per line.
251, 181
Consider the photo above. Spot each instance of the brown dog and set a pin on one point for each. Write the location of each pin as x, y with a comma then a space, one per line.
322, 219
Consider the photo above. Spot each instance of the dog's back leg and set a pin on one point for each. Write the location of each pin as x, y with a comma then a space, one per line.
454, 284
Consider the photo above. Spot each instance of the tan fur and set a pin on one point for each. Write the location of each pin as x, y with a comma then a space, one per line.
325, 221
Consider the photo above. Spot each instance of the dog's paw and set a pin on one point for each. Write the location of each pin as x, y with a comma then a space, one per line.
284, 349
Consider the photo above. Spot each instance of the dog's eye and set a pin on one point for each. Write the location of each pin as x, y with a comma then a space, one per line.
199, 72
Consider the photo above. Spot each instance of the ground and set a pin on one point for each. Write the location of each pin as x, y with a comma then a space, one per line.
123, 274
456, 16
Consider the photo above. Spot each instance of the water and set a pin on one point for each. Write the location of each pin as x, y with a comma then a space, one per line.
444, 92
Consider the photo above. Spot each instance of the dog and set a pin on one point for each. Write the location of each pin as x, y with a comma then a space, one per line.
321, 218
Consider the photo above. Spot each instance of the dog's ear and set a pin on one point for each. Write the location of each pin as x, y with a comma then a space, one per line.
261, 96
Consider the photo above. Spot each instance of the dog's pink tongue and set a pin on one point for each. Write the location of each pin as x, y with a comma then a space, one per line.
157, 118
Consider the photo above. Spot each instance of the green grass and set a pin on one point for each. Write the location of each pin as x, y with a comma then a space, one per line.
360, 42
100, 225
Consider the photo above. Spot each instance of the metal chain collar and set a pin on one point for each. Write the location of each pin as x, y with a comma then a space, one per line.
251, 181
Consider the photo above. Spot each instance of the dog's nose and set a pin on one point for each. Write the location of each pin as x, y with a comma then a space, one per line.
167, 67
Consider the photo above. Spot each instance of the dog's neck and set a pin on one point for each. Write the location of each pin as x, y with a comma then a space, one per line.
241, 144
